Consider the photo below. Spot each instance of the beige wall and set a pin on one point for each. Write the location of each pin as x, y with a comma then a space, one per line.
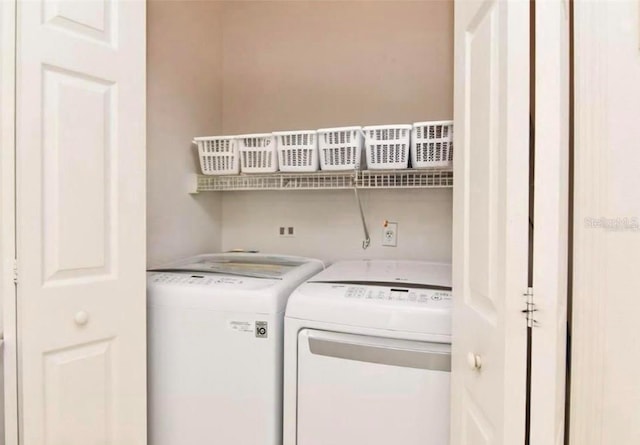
247, 66
327, 223
184, 56
310, 64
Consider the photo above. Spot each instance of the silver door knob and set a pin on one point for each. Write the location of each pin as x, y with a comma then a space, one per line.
474, 361
81, 318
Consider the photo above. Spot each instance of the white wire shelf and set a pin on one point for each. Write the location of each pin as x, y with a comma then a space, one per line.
326, 180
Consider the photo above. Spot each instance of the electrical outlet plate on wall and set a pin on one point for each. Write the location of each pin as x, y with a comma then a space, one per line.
390, 234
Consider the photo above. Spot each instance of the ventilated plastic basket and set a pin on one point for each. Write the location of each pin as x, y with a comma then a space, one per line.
297, 150
387, 146
432, 144
258, 153
218, 155
340, 148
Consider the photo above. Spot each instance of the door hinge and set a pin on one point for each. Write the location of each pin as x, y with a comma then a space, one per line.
530, 309
15, 272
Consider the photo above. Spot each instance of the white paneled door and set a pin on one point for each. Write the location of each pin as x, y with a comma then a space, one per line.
80, 196
490, 233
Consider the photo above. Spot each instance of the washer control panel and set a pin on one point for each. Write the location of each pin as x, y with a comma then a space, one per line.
424, 296
194, 279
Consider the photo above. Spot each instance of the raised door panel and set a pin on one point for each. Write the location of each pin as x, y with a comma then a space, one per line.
78, 150
80, 376
480, 148
92, 19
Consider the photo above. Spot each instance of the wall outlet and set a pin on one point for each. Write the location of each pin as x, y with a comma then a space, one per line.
286, 232
390, 234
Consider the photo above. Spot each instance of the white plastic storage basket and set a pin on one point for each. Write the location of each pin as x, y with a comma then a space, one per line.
387, 146
340, 148
297, 150
218, 155
258, 153
432, 144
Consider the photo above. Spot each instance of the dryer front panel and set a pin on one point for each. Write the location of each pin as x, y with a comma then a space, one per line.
355, 389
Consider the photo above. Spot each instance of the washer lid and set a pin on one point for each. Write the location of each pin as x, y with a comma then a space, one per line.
403, 296
230, 282
238, 264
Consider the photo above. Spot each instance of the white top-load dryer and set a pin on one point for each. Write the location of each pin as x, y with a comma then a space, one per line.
215, 338
368, 355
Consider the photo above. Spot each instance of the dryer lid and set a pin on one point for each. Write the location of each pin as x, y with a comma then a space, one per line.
388, 272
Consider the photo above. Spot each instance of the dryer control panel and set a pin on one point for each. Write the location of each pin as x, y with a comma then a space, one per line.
397, 294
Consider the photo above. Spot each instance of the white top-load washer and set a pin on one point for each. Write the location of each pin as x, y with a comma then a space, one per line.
215, 339
368, 355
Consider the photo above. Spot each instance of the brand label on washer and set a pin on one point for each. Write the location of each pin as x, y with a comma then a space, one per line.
262, 329
241, 326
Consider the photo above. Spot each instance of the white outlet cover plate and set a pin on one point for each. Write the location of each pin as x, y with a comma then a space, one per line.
390, 234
